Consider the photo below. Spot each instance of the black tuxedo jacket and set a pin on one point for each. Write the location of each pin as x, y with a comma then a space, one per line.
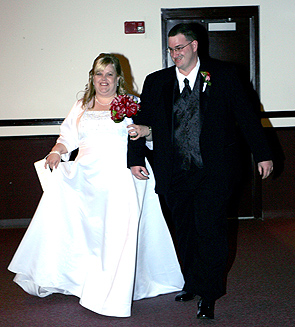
224, 105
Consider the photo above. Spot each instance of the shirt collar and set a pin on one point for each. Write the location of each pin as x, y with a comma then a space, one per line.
191, 76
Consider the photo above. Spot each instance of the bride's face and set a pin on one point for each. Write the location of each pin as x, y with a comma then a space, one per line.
105, 81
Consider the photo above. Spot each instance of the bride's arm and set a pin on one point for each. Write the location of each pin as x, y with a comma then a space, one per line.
67, 140
54, 156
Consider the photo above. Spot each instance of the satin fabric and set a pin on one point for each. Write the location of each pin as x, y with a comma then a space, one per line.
98, 233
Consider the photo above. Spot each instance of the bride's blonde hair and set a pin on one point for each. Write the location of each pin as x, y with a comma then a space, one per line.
100, 63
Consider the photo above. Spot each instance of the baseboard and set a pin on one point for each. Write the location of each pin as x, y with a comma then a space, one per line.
15, 223
24, 222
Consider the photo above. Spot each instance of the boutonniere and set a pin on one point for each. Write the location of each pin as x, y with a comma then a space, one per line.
206, 80
123, 106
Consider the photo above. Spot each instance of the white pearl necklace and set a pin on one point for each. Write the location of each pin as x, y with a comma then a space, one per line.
103, 104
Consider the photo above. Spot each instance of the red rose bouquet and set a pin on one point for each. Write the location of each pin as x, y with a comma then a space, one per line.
123, 106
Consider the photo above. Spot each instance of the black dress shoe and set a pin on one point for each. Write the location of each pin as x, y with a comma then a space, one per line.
205, 309
184, 296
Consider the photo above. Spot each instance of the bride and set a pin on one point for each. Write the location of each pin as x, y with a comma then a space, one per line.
98, 233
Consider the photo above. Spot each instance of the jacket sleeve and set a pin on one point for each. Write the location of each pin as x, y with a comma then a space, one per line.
137, 149
249, 121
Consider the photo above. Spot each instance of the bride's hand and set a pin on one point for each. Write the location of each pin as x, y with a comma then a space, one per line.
137, 131
52, 161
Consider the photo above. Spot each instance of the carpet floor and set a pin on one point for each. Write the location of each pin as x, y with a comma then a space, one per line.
260, 288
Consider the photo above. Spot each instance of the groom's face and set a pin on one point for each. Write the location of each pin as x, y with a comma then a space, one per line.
183, 52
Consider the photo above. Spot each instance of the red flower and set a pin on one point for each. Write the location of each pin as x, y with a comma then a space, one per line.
206, 79
123, 106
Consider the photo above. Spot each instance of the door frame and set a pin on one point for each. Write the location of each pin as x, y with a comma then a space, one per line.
217, 14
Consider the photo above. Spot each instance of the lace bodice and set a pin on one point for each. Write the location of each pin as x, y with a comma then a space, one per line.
97, 131
100, 122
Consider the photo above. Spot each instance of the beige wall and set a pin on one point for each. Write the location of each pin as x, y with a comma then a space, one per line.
47, 49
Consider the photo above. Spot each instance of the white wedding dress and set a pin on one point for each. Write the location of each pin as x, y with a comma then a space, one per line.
98, 233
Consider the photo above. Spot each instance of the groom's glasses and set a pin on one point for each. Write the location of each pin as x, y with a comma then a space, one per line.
177, 49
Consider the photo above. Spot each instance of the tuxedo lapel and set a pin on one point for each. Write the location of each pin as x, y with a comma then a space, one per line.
171, 93
204, 94
171, 86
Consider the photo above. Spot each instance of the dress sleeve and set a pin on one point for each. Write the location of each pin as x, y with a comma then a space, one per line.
69, 131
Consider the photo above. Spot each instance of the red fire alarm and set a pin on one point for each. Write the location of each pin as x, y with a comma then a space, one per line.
134, 27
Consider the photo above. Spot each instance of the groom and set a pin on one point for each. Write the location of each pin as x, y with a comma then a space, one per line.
193, 109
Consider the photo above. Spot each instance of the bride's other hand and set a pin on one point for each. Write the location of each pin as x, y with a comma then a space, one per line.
137, 131
54, 156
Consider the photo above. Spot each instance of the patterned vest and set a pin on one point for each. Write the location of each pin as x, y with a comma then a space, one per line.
187, 129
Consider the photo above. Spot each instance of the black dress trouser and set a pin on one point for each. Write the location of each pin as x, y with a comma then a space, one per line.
198, 204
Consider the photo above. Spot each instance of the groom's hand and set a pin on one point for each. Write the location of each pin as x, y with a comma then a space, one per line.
265, 168
140, 172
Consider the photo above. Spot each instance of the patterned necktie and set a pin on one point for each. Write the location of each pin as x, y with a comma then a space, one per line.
186, 90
